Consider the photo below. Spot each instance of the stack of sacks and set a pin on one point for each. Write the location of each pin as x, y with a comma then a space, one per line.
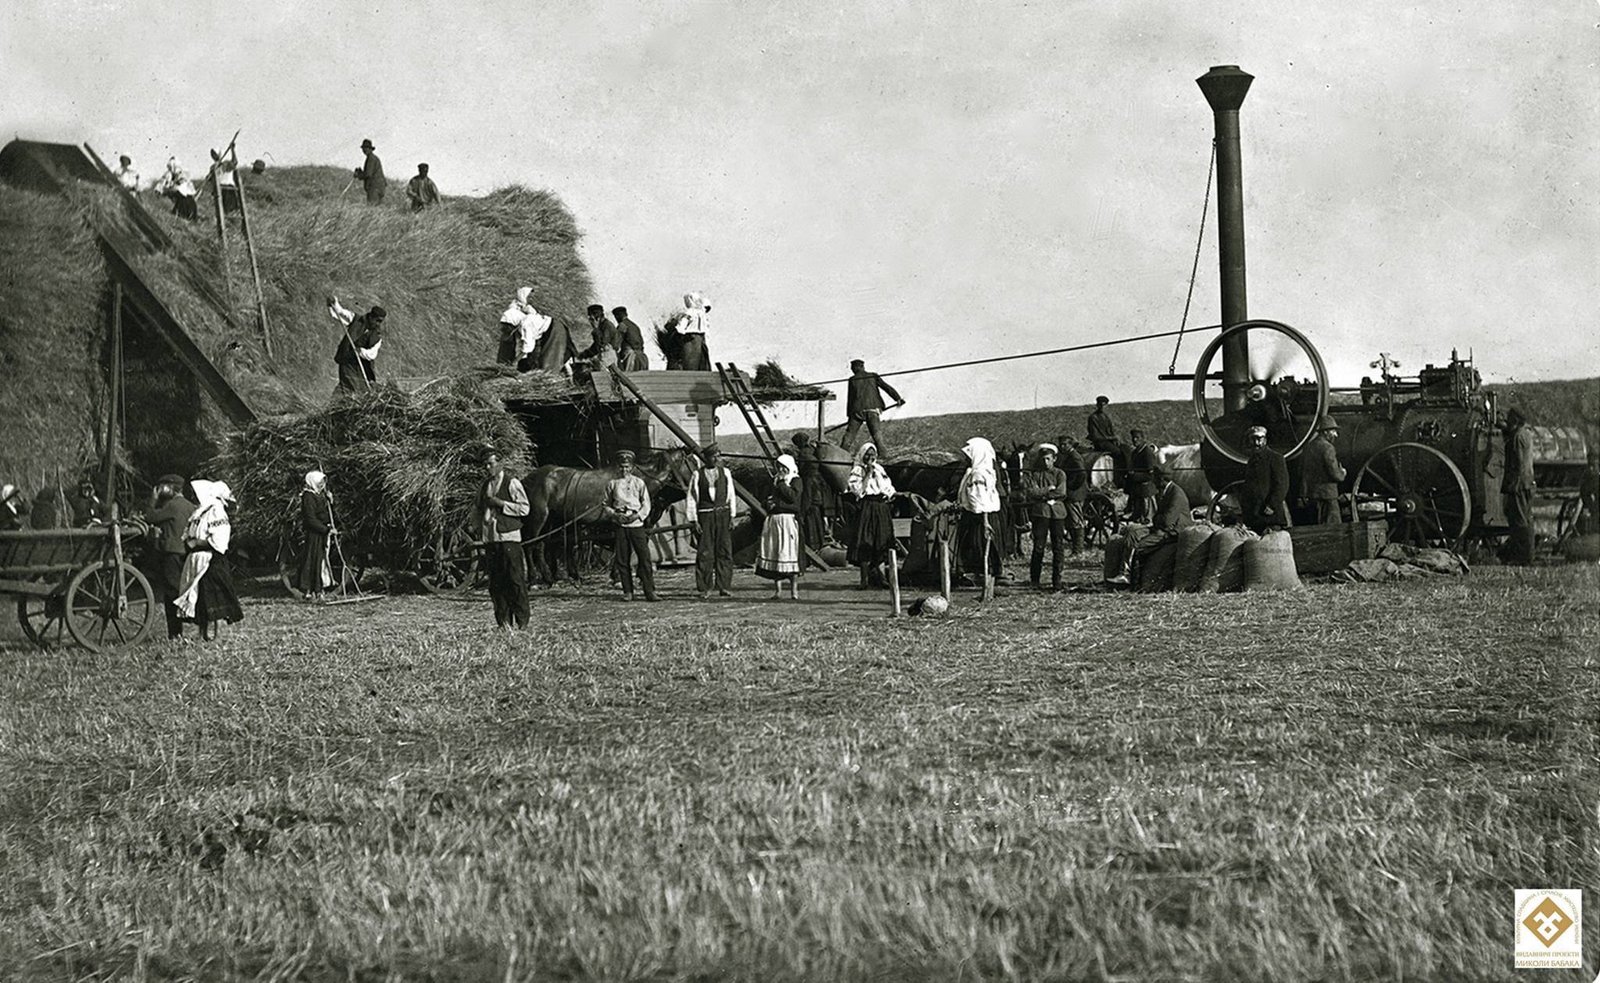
1190, 560
1157, 568
1223, 570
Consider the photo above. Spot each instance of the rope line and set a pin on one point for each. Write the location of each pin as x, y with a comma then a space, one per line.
1205, 208
1009, 358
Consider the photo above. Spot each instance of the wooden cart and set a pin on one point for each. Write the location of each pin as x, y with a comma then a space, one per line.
78, 583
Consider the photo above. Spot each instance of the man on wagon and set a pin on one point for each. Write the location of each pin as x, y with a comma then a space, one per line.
1102, 430
864, 405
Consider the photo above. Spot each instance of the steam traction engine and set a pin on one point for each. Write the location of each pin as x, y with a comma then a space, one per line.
1422, 453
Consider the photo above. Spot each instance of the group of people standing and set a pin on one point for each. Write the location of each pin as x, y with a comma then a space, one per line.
189, 555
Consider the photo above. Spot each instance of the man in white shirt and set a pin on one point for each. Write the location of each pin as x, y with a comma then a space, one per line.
125, 174
713, 505
628, 501
502, 505
357, 356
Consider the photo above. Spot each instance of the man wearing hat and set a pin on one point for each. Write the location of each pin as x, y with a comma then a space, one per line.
1141, 487
1265, 491
357, 356
1102, 429
632, 356
1517, 485
125, 174
370, 174
169, 517
628, 501
864, 405
1044, 488
1321, 472
713, 505
1169, 517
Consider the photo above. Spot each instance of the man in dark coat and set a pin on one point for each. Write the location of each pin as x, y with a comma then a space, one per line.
631, 357
370, 174
714, 505
1517, 486
1321, 472
502, 507
1044, 488
864, 405
87, 509
421, 190
1141, 485
357, 356
1169, 516
1102, 429
169, 517
1072, 465
1265, 491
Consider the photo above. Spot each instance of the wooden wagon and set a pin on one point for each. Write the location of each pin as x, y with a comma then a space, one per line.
78, 584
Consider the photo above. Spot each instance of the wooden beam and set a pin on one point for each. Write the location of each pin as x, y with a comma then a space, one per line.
255, 270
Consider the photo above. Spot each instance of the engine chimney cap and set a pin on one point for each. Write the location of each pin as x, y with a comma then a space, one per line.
1224, 87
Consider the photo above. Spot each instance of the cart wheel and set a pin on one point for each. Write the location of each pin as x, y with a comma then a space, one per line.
448, 565
1226, 500
42, 619
1100, 519
99, 617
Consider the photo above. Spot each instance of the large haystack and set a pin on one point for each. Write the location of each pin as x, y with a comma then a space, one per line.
444, 276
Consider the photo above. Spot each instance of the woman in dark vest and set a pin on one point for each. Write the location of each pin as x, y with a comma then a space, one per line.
316, 521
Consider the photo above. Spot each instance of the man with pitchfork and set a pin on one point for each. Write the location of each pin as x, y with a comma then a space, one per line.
357, 356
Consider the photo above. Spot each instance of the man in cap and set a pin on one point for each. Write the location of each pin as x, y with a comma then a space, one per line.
1265, 491
421, 191
1516, 485
502, 506
357, 356
864, 404
1077, 472
1102, 429
1044, 488
169, 517
713, 506
370, 174
87, 509
632, 356
628, 501
1141, 486
1321, 472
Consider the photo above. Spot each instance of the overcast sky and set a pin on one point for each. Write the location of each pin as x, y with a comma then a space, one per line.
919, 182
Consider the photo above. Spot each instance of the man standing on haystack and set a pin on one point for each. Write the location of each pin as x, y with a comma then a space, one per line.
502, 505
357, 356
421, 191
370, 174
632, 357
864, 404
125, 174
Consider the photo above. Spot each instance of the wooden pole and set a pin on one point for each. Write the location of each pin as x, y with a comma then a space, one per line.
822, 406
894, 581
113, 394
988, 575
255, 270
222, 231
944, 568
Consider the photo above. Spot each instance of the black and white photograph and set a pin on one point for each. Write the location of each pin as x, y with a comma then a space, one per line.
499, 492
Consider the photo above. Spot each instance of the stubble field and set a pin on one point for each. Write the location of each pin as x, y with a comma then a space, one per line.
1342, 783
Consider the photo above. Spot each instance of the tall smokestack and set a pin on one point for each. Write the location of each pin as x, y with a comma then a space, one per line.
1224, 88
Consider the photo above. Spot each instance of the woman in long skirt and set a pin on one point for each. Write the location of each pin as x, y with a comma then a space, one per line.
871, 486
979, 498
779, 557
316, 521
206, 594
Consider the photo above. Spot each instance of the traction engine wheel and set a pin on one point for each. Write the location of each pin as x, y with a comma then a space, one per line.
1420, 491
1276, 352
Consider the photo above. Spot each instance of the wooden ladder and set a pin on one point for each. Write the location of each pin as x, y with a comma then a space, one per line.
734, 384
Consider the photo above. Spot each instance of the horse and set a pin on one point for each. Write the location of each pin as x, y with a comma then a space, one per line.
560, 497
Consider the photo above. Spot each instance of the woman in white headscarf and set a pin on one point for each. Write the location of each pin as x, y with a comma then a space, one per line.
691, 324
779, 558
316, 520
979, 498
871, 486
177, 187
205, 594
